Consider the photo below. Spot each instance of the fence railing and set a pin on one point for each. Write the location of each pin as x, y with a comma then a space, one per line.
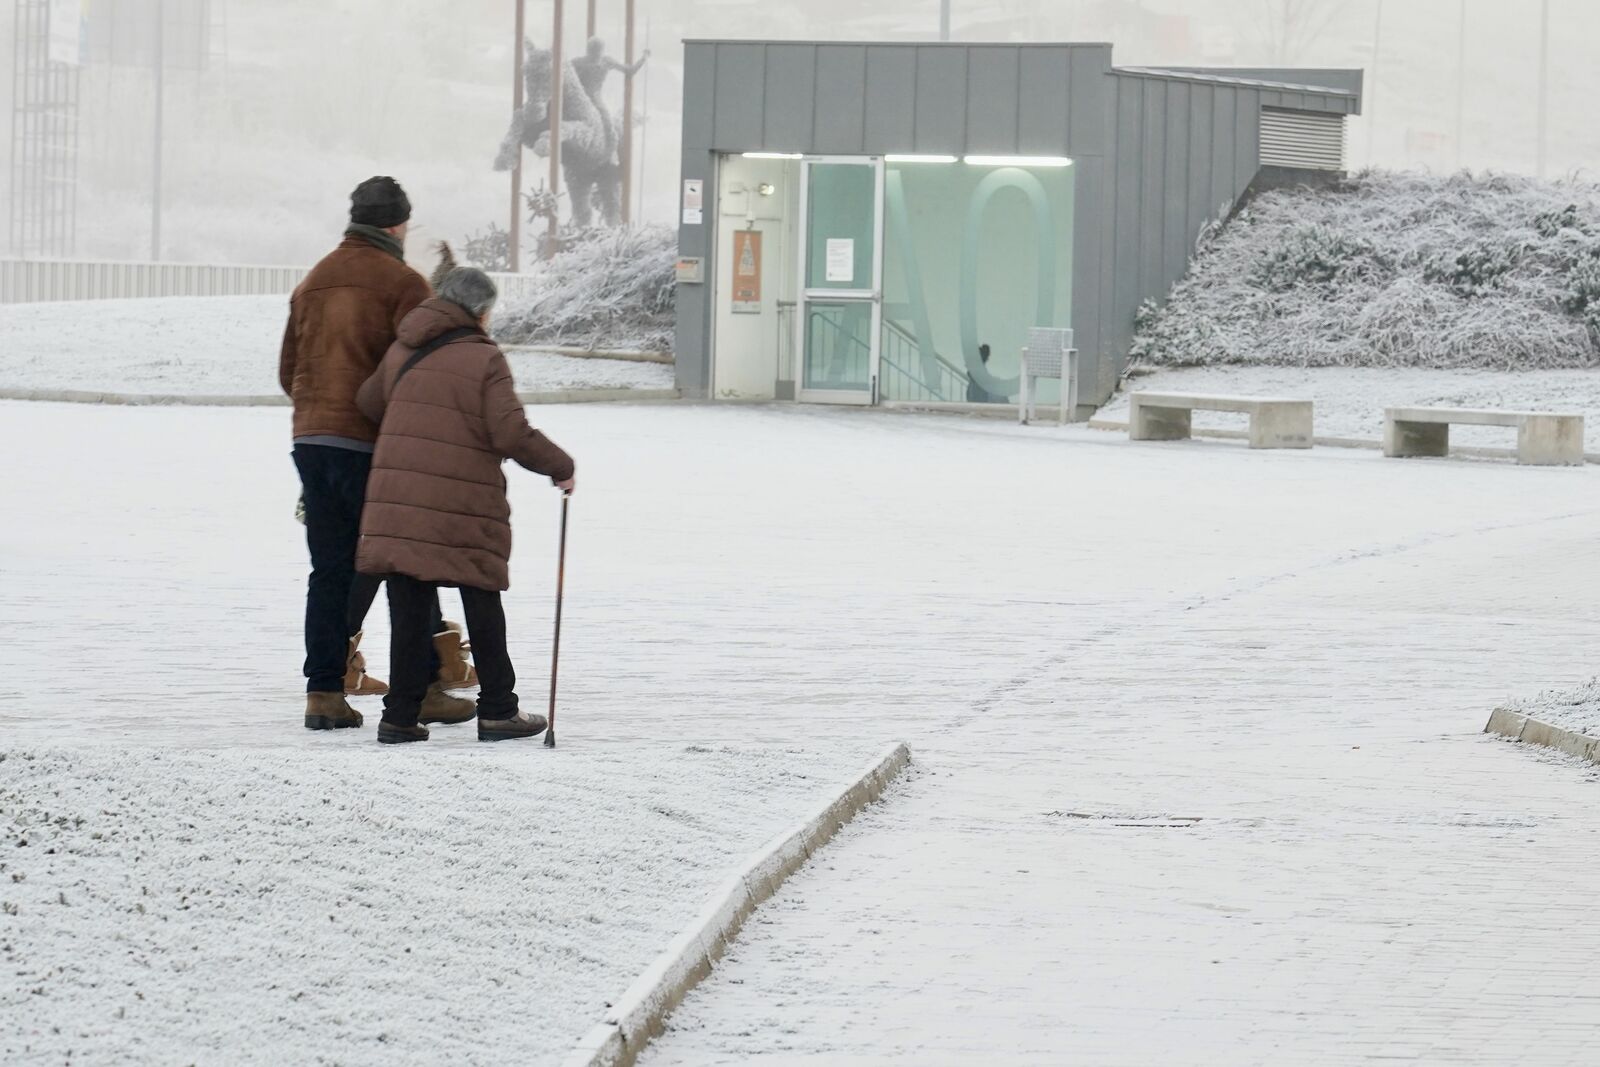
27, 280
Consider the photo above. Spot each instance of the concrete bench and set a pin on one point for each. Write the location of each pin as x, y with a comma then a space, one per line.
1543, 438
1274, 422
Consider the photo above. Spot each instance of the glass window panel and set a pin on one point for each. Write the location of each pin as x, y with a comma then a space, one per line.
842, 231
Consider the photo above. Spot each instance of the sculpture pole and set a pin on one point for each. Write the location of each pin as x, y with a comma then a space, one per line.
625, 157
515, 250
557, 67
590, 33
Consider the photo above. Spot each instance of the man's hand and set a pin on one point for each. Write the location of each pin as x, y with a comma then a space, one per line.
568, 485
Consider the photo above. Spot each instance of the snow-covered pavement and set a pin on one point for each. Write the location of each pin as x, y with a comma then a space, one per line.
1088, 644
215, 346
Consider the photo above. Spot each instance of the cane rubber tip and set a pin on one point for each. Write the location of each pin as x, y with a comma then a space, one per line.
549, 739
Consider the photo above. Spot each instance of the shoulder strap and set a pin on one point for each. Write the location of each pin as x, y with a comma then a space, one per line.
437, 343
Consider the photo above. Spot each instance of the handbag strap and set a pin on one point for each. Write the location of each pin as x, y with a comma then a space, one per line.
432, 346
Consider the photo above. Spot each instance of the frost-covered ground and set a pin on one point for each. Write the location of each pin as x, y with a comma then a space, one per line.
1350, 400
218, 345
1576, 709
1088, 643
324, 900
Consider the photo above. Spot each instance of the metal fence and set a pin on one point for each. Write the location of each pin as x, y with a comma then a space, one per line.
27, 280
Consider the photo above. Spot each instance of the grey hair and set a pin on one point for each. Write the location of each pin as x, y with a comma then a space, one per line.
470, 288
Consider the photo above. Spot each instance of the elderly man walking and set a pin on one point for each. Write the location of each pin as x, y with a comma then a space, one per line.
436, 511
342, 318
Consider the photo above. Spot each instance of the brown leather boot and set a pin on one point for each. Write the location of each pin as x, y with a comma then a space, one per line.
330, 711
439, 706
455, 669
357, 682
522, 724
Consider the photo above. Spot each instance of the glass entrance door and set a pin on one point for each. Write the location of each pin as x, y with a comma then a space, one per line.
841, 271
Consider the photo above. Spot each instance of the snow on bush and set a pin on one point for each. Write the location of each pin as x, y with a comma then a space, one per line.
1391, 270
611, 290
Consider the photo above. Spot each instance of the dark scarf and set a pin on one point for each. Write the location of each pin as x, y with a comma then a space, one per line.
383, 239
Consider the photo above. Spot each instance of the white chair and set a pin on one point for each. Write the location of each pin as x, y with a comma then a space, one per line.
1049, 355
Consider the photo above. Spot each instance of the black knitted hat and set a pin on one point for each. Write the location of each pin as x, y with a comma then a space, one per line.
379, 202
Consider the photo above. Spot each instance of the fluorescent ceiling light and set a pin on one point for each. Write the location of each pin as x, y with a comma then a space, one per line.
920, 159
773, 155
1019, 161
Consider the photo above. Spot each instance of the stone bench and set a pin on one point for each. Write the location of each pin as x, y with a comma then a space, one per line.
1274, 422
1543, 438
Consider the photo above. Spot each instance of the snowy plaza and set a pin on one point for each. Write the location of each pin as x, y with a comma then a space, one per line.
1198, 770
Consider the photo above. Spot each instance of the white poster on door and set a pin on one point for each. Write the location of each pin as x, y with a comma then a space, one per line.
841, 259
693, 201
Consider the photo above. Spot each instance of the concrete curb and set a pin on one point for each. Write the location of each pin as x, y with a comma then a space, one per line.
641, 1012
1473, 451
623, 355
1520, 727
80, 396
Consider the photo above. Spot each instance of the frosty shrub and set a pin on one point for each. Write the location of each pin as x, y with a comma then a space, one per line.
613, 289
489, 249
1413, 270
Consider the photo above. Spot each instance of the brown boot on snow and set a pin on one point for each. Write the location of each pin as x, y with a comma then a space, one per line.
394, 734
522, 724
357, 682
439, 706
330, 711
455, 669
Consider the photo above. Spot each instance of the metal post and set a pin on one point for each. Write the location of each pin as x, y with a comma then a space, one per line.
1544, 86
557, 68
1372, 89
625, 158
1461, 84
944, 20
161, 93
590, 31
644, 138
515, 249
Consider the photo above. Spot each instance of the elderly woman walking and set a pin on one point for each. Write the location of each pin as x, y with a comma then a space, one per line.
436, 511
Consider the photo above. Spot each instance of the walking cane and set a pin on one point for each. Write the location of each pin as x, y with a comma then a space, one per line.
555, 652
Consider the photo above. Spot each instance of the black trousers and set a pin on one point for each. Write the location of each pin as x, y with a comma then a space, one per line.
337, 598
409, 644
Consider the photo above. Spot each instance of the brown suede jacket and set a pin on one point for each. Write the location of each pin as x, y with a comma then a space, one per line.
436, 499
342, 319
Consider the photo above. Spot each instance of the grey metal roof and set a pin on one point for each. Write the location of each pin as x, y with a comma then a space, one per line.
1222, 79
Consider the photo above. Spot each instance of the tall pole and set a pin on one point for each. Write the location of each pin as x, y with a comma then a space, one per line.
1372, 89
1461, 85
557, 67
626, 156
515, 250
1544, 85
644, 106
944, 20
589, 32
161, 93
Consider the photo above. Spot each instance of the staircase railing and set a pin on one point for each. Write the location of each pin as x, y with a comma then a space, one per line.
905, 374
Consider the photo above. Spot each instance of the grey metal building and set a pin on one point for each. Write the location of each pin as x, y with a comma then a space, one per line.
880, 223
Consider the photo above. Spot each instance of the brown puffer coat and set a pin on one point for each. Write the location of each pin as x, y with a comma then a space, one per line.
436, 499
342, 319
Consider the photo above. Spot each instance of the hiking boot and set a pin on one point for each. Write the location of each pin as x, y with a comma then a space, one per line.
390, 733
330, 711
522, 724
357, 682
439, 706
455, 669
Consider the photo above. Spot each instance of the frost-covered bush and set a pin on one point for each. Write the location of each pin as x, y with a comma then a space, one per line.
1393, 270
611, 290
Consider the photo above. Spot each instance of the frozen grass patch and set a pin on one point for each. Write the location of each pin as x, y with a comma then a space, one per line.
1577, 709
614, 291
350, 904
1393, 270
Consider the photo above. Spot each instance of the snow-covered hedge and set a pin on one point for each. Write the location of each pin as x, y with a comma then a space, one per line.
1393, 270
611, 290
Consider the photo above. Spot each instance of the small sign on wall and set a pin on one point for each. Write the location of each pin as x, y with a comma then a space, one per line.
747, 272
693, 201
841, 259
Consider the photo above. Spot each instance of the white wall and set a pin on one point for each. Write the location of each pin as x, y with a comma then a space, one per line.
745, 364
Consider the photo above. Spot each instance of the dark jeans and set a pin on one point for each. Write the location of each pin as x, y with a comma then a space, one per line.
409, 603
337, 598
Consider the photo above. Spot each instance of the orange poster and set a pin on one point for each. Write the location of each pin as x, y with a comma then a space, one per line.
747, 272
